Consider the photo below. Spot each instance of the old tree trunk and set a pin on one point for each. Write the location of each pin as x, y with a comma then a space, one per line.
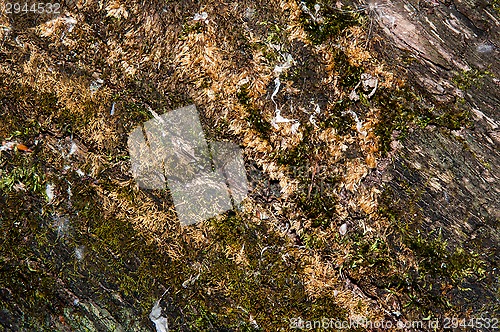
383, 206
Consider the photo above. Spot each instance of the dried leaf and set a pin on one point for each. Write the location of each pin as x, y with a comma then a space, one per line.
24, 148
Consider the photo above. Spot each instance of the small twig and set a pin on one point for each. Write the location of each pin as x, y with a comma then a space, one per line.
314, 170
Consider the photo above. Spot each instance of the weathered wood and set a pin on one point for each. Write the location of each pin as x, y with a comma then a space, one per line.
442, 180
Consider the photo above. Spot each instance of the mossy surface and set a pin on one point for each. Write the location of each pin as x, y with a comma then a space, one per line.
401, 109
83, 248
254, 117
330, 23
58, 256
438, 280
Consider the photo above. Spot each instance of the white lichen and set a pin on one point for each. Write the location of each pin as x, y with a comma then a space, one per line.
203, 16
49, 192
161, 323
80, 252
343, 229
73, 149
278, 118
359, 123
484, 48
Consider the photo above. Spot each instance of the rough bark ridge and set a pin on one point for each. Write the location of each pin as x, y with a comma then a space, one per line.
447, 179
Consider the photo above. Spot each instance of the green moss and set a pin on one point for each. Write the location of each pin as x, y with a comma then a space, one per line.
436, 259
401, 109
255, 118
26, 174
275, 34
439, 268
371, 253
188, 28
333, 22
496, 6
318, 207
338, 119
398, 109
349, 75
297, 156
121, 260
267, 275
452, 119
467, 79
